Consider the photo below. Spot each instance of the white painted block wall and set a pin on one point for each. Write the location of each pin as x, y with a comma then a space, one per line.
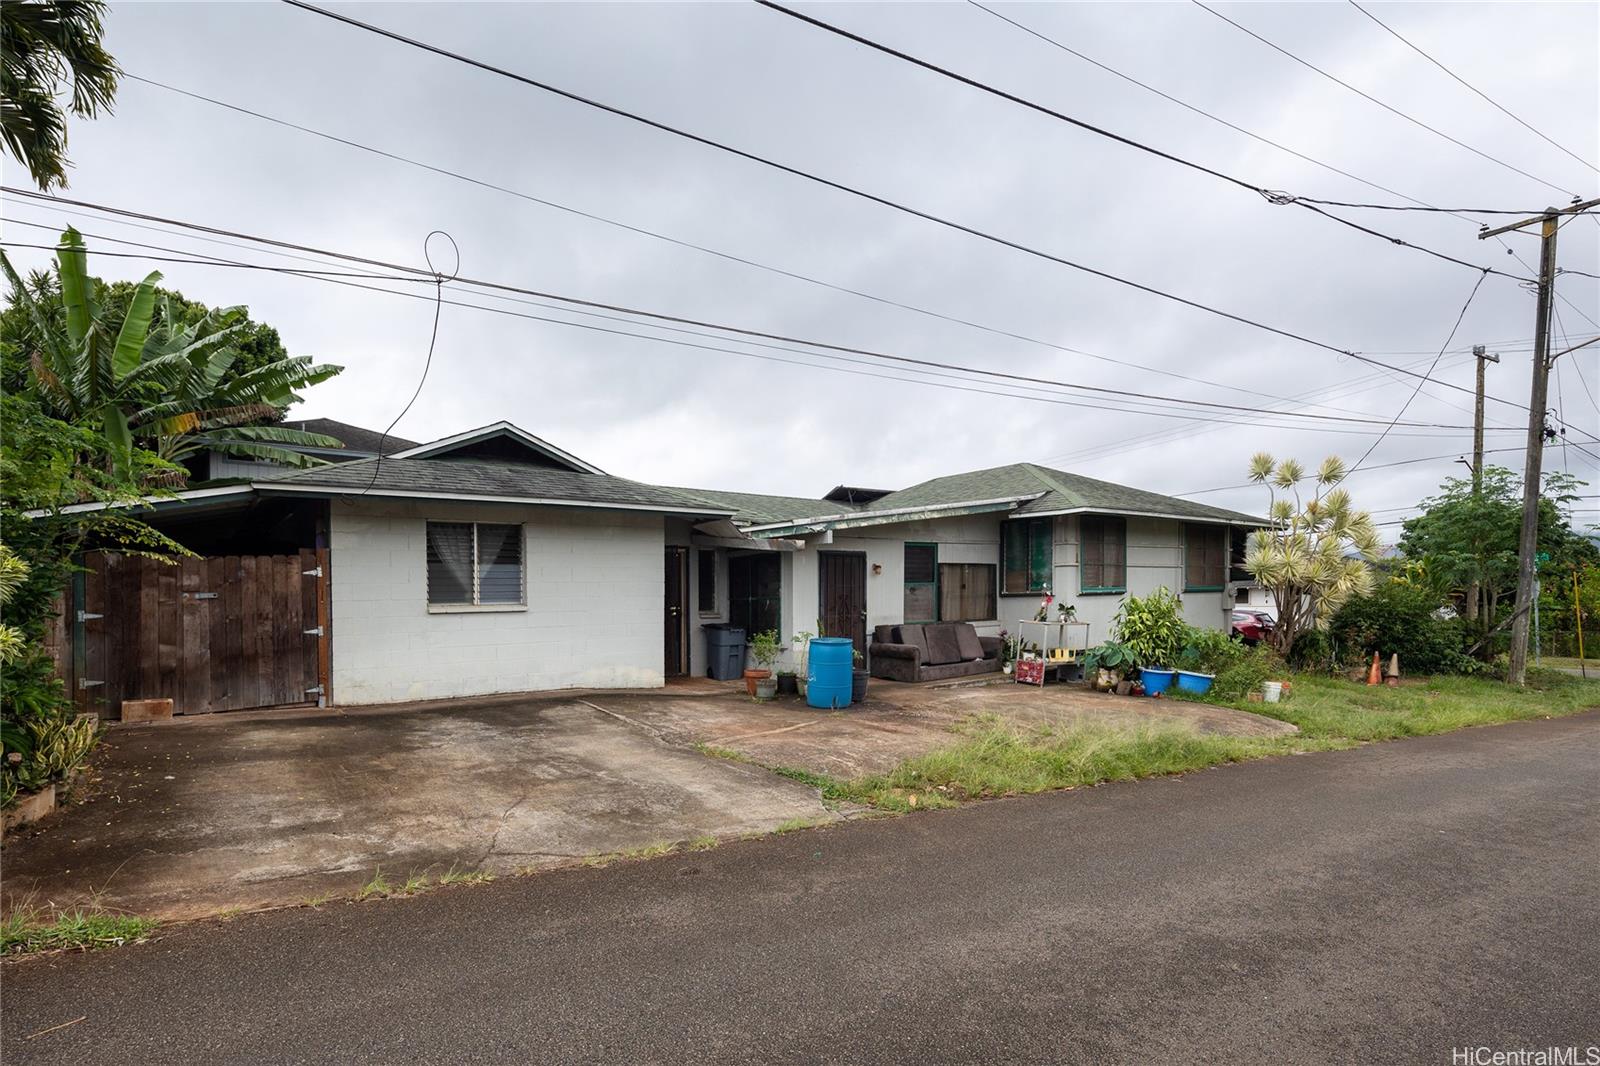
593, 615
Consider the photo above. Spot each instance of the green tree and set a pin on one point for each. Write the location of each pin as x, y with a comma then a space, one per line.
47, 46
1465, 536
154, 378
1304, 555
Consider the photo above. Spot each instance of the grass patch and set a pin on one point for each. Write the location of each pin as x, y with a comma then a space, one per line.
27, 930
650, 851
701, 843
996, 758
316, 902
715, 752
1572, 662
454, 876
377, 888
1336, 709
794, 825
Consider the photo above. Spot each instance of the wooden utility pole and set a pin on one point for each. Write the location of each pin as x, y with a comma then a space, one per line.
1538, 396
1475, 590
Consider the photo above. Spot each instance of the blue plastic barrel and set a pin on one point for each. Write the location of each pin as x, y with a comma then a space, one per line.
829, 662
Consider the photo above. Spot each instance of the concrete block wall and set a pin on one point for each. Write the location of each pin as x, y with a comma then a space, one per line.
593, 614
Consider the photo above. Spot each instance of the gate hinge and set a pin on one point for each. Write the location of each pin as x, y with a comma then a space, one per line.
315, 688
84, 616
314, 631
315, 571
84, 682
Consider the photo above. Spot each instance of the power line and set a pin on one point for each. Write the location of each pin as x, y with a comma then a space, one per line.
681, 320
942, 316
1368, 96
1494, 103
1457, 325
828, 182
1270, 195
921, 364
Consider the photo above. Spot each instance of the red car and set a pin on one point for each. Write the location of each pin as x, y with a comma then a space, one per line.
1250, 625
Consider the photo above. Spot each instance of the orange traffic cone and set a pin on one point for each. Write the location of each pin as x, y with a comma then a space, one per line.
1375, 672
1391, 676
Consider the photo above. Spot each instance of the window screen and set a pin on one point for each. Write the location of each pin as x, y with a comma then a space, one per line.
922, 583
1027, 554
967, 592
706, 577
1104, 554
474, 564
1204, 562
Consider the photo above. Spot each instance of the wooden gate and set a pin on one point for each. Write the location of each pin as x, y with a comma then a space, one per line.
218, 634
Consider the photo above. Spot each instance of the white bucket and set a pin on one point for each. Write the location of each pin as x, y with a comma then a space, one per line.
1271, 691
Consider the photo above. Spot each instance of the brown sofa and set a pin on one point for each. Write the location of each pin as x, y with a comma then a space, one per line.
931, 652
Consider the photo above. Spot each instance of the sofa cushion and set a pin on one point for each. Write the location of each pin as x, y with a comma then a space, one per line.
943, 644
885, 635
915, 636
967, 641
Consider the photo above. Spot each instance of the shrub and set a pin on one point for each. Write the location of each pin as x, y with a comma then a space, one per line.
1398, 619
1313, 651
1244, 675
1152, 627
1209, 651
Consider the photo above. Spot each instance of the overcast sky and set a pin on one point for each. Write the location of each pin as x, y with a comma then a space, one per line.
755, 79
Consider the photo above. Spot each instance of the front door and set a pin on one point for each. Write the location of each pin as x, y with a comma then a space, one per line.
842, 595
676, 623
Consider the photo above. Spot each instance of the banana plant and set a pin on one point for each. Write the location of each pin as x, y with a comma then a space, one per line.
155, 381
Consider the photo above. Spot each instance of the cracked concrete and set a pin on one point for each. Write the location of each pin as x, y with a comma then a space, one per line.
257, 809
248, 811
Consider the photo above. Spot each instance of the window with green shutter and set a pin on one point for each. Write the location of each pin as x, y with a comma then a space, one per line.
1026, 553
1102, 554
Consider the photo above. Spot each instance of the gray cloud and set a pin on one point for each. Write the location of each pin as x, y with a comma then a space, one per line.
769, 84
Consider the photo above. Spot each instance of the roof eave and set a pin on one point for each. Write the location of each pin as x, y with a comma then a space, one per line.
274, 487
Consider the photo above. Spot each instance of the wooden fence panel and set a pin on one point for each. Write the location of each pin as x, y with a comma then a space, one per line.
217, 634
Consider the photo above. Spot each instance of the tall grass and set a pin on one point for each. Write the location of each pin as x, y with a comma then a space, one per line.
26, 930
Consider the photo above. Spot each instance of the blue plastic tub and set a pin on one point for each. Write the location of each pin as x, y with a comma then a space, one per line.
829, 663
1155, 681
1192, 682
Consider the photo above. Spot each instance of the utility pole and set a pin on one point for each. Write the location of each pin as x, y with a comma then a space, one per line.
1474, 590
1538, 396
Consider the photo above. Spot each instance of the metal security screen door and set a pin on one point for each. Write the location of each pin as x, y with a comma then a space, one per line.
842, 595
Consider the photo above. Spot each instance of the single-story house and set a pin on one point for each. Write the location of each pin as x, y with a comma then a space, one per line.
493, 561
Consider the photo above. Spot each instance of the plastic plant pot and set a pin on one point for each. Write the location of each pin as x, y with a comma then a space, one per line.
1196, 683
1155, 681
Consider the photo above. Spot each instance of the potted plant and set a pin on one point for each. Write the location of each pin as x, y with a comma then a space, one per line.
787, 682
1008, 651
858, 679
1108, 665
1153, 628
1066, 612
802, 645
764, 650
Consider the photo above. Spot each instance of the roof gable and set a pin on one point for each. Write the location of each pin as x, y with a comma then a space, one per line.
500, 442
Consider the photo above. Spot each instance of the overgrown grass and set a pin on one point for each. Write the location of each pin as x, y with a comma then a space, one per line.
994, 758
454, 876
1334, 708
25, 930
377, 888
1572, 662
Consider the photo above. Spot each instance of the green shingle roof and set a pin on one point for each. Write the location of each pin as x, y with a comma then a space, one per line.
755, 509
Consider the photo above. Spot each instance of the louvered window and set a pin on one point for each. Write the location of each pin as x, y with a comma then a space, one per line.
922, 583
474, 564
1104, 554
1027, 554
1204, 558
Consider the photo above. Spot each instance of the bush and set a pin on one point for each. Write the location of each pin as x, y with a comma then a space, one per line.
1209, 651
1398, 619
1152, 627
1245, 674
1313, 651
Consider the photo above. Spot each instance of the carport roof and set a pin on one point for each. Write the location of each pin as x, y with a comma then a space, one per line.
502, 482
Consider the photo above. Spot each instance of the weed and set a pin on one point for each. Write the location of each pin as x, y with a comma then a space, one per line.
701, 843
650, 851
795, 824
414, 884
316, 902
453, 876
721, 753
27, 930
377, 888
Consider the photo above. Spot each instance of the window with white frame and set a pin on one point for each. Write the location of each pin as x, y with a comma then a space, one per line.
474, 564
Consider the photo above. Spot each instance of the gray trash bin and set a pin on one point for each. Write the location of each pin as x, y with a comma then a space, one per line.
724, 651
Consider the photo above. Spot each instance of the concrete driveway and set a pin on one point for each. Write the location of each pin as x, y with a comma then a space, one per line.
260, 809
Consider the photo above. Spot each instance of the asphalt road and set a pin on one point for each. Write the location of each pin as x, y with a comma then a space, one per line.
1379, 905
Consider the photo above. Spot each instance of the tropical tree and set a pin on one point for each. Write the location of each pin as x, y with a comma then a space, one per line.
171, 387
46, 46
1313, 554
1467, 535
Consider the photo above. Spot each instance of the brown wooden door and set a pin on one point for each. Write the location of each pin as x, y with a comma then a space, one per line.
220, 634
675, 624
842, 596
